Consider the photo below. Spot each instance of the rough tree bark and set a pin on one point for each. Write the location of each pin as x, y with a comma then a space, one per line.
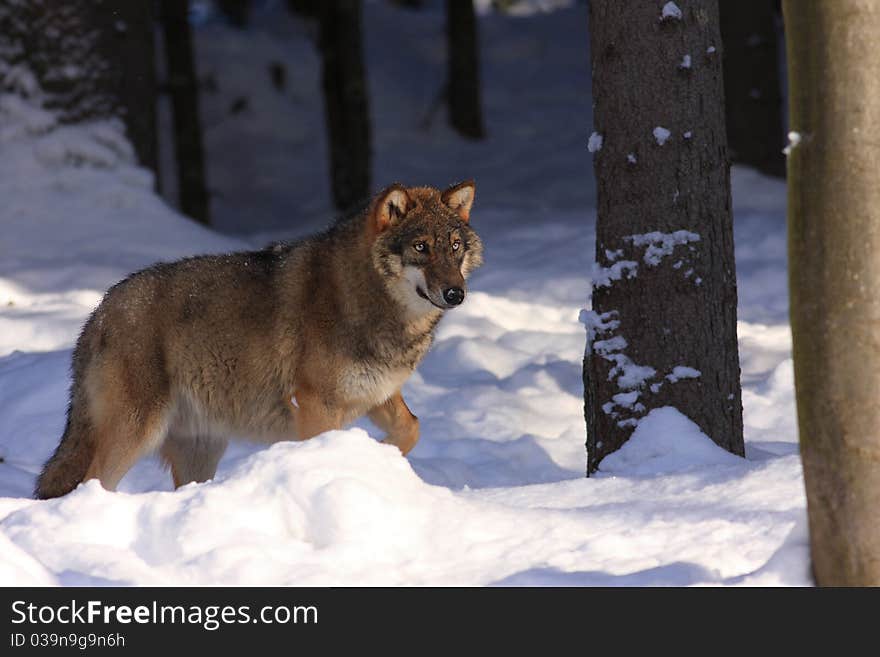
463, 76
834, 216
103, 66
752, 89
345, 101
664, 296
183, 87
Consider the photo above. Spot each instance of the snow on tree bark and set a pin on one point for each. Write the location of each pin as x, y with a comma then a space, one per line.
92, 59
664, 294
834, 270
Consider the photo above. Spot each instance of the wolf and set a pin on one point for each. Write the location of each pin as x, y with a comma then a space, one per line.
279, 344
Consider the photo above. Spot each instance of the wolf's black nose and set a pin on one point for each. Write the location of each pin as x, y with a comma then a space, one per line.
453, 295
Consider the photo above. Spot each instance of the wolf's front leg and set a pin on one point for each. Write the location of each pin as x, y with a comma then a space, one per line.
395, 418
312, 415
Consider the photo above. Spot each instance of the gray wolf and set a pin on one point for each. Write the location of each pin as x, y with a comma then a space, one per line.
279, 344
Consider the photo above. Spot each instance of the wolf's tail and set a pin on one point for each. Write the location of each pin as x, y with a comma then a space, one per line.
67, 467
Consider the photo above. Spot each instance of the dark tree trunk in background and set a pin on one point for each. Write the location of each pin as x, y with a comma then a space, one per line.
463, 76
752, 89
306, 8
184, 89
132, 24
345, 102
237, 11
669, 298
409, 4
833, 215
93, 59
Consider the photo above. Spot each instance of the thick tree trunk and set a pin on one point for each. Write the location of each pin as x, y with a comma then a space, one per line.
834, 215
184, 89
752, 89
664, 297
345, 102
463, 77
102, 67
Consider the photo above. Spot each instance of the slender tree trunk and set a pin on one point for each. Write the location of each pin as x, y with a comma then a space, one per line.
132, 24
752, 88
834, 215
663, 327
92, 59
463, 77
237, 11
305, 8
345, 102
184, 89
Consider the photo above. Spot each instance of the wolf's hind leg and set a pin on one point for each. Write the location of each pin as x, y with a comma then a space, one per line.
192, 458
121, 439
395, 418
113, 420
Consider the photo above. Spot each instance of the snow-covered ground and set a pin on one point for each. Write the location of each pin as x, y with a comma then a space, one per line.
494, 492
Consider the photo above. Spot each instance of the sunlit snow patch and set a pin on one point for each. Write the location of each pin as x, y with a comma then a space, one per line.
666, 441
670, 12
661, 134
794, 138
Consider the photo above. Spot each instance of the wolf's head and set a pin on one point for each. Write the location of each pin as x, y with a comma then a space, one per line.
423, 245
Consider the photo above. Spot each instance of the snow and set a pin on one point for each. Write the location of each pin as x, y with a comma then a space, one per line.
605, 347
522, 8
670, 12
494, 492
794, 138
666, 441
594, 145
659, 245
629, 375
626, 399
661, 134
682, 372
604, 276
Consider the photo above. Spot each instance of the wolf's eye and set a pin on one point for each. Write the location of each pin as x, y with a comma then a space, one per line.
420, 246
456, 245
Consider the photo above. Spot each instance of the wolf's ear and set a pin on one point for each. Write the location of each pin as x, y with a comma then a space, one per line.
390, 207
460, 198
